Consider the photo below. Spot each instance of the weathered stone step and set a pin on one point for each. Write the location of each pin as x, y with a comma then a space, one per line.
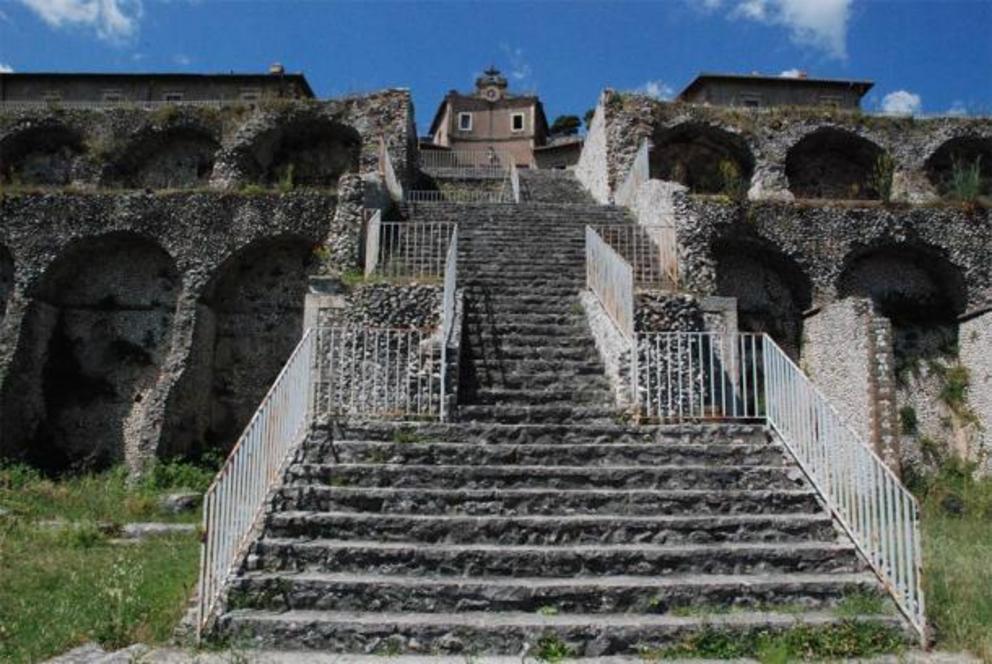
521, 476
560, 529
509, 502
513, 332
491, 377
596, 393
485, 633
505, 320
553, 434
565, 337
323, 591
544, 352
561, 411
582, 454
562, 366
568, 561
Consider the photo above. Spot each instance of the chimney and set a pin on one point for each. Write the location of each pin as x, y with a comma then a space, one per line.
276, 69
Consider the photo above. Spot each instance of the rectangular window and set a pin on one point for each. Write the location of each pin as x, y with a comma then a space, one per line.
517, 122
465, 121
173, 96
113, 96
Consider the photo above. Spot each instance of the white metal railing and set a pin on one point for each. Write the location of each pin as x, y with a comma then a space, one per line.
679, 376
869, 501
448, 313
407, 249
651, 250
378, 372
639, 173
235, 501
710, 376
469, 164
611, 278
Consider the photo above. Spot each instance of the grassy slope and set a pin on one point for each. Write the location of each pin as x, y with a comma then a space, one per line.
957, 529
63, 587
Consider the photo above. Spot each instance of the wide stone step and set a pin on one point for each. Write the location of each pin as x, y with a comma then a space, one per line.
541, 561
560, 411
543, 352
507, 321
583, 454
510, 502
492, 377
525, 332
322, 591
485, 633
551, 434
596, 393
521, 476
507, 365
561, 529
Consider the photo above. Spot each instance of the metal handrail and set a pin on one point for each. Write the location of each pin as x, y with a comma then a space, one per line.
879, 514
711, 376
651, 250
469, 164
448, 313
407, 249
234, 504
611, 279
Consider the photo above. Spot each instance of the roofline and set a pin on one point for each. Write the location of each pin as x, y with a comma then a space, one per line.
863, 86
297, 76
439, 113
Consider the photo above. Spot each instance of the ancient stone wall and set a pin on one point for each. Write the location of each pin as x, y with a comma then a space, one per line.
781, 153
277, 143
139, 324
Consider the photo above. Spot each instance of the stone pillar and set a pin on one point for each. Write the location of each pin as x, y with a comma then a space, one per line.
975, 344
847, 353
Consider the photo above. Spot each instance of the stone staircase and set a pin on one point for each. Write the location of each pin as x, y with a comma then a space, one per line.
538, 522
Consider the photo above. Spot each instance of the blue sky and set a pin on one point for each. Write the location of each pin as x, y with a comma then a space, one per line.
929, 56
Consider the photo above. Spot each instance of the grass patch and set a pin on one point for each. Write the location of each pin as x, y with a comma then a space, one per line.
861, 604
61, 587
802, 642
957, 557
552, 649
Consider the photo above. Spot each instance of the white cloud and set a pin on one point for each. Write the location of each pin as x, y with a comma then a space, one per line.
791, 73
5, 68
114, 21
821, 24
520, 69
181, 59
656, 89
957, 109
901, 102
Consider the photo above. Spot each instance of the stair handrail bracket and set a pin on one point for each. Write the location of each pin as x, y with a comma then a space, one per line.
879, 514
611, 279
235, 502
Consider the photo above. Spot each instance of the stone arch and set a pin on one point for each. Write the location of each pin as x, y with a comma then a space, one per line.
95, 335
917, 288
45, 154
696, 154
311, 152
6, 279
248, 320
173, 158
772, 290
964, 150
832, 163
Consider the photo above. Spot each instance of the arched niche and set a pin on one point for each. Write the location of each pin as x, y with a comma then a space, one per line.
833, 163
94, 339
704, 158
306, 153
248, 320
917, 289
175, 158
771, 289
41, 155
959, 154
